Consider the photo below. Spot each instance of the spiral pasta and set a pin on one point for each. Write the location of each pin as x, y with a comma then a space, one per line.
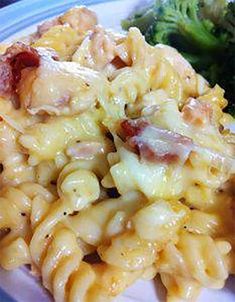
78, 182
150, 229
15, 229
99, 222
192, 266
75, 280
15, 168
55, 250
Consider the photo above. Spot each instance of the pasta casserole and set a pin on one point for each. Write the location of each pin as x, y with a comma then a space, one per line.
117, 164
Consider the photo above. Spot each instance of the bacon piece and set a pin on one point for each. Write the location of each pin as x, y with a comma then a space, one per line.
197, 113
147, 152
118, 63
132, 128
155, 144
16, 58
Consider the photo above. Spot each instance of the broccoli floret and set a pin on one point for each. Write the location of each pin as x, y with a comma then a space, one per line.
180, 18
141, 19
228, 23
213, 10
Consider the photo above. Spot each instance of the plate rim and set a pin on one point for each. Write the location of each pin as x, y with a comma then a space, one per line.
5, 297
20, 15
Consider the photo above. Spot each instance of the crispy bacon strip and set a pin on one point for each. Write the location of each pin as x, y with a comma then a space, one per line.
155, 144
16, 58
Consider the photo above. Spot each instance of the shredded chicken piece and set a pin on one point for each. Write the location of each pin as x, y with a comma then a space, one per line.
103, 48
80, 18
96, 51
99, 51
59, 87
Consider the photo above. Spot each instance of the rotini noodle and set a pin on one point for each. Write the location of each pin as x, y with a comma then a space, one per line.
15, 208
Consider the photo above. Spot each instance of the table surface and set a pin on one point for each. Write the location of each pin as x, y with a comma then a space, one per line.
6, 2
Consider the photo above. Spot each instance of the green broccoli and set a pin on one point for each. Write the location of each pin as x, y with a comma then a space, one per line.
213, 10
141, 19
228, 22
179, 20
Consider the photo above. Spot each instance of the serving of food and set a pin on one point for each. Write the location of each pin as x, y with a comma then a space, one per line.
117, 163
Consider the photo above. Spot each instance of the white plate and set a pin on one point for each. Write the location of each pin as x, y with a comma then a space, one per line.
16, 21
